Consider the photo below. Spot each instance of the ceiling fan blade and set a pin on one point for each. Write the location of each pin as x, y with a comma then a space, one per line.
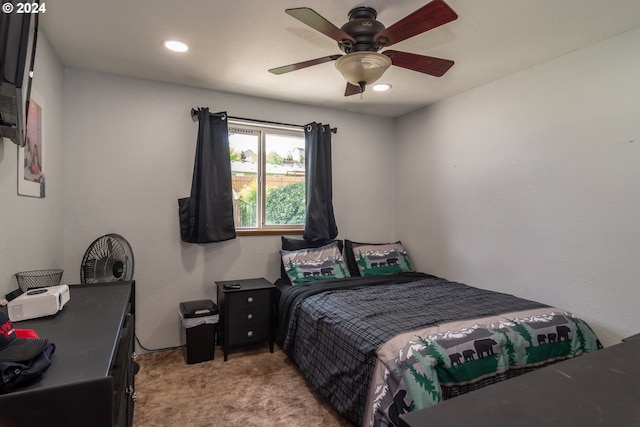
429, 16
352, 90
304, 64
319, 23
420, 63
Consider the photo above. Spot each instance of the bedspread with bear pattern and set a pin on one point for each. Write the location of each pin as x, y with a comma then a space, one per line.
379, 346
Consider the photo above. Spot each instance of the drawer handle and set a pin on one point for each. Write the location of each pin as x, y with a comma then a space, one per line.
129, 390
250, 299
250, 334
249, 316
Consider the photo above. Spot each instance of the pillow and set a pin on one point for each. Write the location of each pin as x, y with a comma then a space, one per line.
367, 259
312, 264
289, 244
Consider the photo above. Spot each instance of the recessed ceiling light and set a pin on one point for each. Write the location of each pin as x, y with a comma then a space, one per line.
381, 87
175, 46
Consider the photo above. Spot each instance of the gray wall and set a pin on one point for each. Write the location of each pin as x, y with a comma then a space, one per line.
31, 235
531, 185
528, 185
129, 151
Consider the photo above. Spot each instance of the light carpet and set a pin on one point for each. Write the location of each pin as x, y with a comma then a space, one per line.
253, 388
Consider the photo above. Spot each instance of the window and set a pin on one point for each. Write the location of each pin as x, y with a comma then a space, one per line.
268, 177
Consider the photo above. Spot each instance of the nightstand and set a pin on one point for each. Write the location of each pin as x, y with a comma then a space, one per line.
246, 313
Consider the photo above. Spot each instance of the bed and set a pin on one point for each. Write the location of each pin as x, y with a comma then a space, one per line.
379, 339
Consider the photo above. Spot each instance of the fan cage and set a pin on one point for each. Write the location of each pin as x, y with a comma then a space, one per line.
38, 278
108, 259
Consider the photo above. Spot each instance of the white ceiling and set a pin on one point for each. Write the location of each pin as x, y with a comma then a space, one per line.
234, 43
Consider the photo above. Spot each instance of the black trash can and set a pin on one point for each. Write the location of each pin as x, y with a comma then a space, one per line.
199, 327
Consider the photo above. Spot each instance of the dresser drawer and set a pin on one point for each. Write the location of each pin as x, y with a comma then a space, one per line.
249, 315
247, 334
249, 298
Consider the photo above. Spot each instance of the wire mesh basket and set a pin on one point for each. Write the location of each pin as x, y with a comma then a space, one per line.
38, 278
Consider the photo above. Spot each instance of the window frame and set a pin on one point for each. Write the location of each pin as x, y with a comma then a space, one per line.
262, 129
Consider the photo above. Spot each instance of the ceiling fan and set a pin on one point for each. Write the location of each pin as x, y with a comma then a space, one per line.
363, 36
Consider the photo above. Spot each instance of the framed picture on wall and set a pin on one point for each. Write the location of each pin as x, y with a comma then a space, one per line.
31, 157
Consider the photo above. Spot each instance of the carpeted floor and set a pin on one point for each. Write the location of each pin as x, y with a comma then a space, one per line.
253, 388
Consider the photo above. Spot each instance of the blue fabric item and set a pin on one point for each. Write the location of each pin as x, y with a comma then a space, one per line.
14, 375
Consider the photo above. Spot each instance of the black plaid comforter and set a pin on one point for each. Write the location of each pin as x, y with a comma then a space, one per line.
332, 329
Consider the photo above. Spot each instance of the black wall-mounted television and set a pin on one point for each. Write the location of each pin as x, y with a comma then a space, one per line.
18, 35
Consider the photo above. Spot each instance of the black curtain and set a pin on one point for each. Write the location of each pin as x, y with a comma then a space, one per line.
207, 216
320, 222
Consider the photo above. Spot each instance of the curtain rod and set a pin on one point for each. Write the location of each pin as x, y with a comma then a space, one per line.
194, 115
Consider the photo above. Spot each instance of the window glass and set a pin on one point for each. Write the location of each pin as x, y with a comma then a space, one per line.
244, 152
268, 177
285, 188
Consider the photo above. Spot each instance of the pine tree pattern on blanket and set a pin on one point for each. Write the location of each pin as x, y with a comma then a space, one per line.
440, 363
353, 337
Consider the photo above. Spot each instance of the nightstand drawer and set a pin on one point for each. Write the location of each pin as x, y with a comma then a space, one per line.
248, 334
249, 315
249, 298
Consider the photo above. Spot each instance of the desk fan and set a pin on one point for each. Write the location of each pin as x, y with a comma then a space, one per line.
108, 259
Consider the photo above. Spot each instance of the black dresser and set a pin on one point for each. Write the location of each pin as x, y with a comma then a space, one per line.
91, 378
246, 314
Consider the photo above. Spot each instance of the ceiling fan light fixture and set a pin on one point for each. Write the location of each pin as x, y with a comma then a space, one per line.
362, 67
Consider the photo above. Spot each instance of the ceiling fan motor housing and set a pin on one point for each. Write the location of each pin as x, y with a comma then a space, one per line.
362, 26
